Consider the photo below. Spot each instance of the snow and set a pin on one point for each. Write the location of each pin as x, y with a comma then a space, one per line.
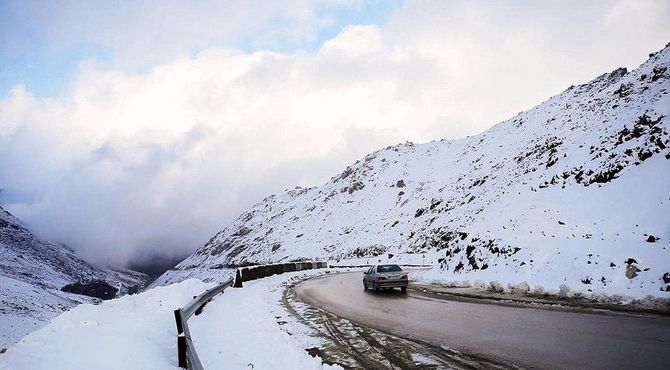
236, 328
32, 271
207, 275
132, 332
240, 328
25, 308
562, 194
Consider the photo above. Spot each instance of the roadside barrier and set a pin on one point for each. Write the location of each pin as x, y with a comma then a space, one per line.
187, 356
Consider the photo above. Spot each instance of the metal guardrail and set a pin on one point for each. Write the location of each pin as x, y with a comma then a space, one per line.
187, 356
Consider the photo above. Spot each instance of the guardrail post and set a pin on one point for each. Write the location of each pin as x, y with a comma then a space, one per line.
181, 351
238, 279
177, 318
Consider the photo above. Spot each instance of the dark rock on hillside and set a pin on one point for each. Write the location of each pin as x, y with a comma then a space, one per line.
96, 288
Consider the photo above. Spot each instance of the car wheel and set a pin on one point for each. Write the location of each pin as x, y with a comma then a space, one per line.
403, 289
365, 286
375, 287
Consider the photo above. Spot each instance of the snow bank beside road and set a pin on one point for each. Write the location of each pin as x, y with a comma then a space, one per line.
131, 332
236, 329
240, 329
207, 275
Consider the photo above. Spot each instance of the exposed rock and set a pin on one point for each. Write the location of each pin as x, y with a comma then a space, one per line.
631, 271
96, 288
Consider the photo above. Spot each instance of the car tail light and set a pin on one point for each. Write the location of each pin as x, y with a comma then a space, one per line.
380, 278
404, 277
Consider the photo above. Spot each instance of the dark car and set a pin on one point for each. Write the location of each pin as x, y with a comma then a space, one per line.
385, 276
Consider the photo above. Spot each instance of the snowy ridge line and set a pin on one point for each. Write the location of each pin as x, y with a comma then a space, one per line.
186, 353
570, 196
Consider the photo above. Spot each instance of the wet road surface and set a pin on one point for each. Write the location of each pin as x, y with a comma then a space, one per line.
526, 337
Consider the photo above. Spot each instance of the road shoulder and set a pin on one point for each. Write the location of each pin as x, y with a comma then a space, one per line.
660, 307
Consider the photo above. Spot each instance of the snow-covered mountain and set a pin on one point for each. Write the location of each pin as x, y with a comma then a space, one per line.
573, 192
33, 271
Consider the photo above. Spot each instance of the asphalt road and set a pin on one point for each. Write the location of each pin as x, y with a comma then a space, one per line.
525, 337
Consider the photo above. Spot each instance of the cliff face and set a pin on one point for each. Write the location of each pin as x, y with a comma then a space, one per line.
574, 191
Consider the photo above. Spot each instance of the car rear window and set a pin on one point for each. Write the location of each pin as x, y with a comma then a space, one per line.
388, 268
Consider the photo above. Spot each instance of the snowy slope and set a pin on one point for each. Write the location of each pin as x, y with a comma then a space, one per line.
568, 192
138, 332
132, 332
31, 274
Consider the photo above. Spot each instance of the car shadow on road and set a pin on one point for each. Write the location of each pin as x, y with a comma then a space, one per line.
389, 293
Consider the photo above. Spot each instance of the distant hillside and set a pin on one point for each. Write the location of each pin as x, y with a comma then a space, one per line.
33, 271
574, 191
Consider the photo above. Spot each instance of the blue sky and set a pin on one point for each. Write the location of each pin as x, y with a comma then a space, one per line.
30, 57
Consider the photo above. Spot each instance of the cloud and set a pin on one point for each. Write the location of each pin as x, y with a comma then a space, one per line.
129, 163
142, 33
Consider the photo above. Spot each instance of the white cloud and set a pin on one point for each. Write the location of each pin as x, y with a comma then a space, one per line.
138, 34
160, 160
355, 41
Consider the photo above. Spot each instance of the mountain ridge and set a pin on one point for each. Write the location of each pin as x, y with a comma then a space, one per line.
566, 193
33, 272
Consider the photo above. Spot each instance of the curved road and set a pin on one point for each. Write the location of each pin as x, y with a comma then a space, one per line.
526, 337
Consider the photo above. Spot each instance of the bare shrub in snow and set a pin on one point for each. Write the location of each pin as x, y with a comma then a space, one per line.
479, 284
565, 292
495, 286
655, 303
458, 284
539, 290
520, 289
618, 298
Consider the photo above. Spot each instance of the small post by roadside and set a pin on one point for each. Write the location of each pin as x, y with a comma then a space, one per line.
237, 283
181, 351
